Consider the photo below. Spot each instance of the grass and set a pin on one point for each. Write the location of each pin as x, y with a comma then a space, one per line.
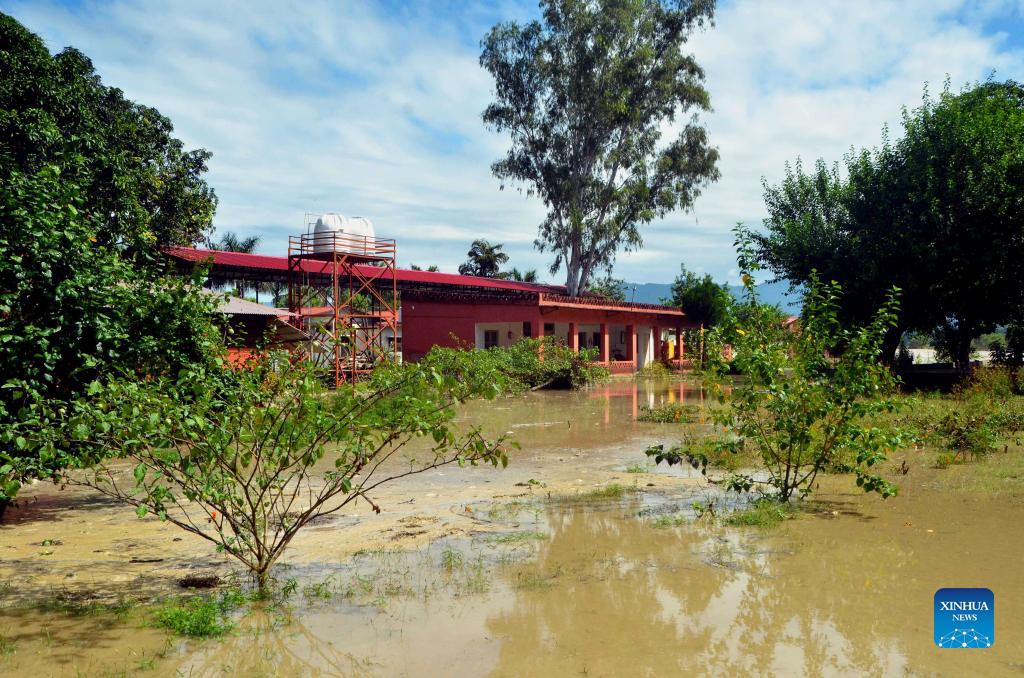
534, 581
518, 537
451, 559
78, 608
200, 616
509, 511
763, 513
7, 647
603, 493
671, 520
327, 589
640, 468
997, 474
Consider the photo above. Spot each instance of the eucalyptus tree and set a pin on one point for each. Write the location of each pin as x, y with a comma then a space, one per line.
586, 94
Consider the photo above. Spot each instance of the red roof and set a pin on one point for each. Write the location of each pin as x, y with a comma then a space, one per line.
547, 295
264, 262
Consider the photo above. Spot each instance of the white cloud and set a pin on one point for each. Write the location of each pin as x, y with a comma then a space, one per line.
321, 105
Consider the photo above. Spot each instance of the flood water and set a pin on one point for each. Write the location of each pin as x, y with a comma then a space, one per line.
527, 585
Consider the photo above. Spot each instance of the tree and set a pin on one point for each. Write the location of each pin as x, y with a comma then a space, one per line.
248, 468
704, 301
585, 94
432, 268
74, 311
522, 276
802, 405
485, 260
609, 287
91, 184
232, 242
937, 213
149, 190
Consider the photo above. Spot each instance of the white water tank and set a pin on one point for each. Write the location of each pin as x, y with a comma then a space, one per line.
334, 232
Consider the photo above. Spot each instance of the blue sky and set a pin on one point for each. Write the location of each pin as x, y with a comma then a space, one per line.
374, 109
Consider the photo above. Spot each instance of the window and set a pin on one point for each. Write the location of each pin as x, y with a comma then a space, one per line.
527, 329
549, 329
490, 338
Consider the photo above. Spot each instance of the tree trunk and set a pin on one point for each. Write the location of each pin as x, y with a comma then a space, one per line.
891, 342
963, 351
573, 266
261, 578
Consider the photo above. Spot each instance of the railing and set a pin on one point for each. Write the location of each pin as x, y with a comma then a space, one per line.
326, 243
621, 366
551, 299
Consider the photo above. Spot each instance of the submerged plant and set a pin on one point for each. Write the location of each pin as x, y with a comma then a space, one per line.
200, 616
247, 468
672, 413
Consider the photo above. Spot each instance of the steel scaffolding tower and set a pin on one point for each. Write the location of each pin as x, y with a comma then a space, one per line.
343, 290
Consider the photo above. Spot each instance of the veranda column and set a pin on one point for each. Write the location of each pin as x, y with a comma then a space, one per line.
605, 344
679, 346
631, 344
539, 333
574, 338
656, 340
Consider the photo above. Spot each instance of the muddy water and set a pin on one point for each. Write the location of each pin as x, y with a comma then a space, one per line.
573, 588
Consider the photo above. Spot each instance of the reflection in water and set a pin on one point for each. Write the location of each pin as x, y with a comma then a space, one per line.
607, 594
821, 596
650, 393
846, 590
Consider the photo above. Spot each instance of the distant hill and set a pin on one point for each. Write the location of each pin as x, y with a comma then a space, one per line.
770, 293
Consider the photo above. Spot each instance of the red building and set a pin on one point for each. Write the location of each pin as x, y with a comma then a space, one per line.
443, 309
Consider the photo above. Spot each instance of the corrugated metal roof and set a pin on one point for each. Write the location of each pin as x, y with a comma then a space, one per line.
238, 306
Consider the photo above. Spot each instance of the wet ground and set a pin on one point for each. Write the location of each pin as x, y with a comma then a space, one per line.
484, 574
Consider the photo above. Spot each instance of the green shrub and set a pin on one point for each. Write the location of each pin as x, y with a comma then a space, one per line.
762, 513
198, 617
968, 432
526, 364
672, 413
654, 370
998, 383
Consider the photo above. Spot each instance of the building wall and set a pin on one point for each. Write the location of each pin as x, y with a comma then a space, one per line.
426, 324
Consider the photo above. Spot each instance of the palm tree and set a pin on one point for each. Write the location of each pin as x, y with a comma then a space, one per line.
232, 242
523, 276
485, 259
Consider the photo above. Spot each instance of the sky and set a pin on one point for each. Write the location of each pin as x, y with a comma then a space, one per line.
373, 109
